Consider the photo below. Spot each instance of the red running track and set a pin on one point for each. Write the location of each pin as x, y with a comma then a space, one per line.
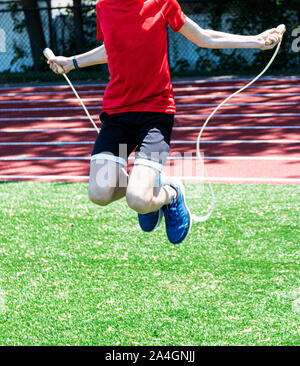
45, 135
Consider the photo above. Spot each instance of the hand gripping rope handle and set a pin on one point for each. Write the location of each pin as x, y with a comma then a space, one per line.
49, 54
281, 28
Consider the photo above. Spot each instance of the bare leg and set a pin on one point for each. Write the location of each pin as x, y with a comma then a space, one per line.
143, 195
105, 178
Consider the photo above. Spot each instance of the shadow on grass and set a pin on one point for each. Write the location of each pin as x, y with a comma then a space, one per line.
9, 181
65, 183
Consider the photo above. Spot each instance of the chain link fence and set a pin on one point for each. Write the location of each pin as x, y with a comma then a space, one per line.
54, 27
70, 30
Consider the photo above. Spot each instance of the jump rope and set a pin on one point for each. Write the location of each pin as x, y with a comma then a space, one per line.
281, 28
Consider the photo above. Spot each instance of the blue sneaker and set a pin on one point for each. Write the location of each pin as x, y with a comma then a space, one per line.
177, 215
151, 221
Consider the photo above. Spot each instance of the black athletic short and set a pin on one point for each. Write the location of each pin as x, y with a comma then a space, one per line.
147, 132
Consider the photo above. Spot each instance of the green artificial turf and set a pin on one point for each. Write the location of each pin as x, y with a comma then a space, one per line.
72, 273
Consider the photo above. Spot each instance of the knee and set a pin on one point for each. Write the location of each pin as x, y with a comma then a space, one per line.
139, 203
100, 196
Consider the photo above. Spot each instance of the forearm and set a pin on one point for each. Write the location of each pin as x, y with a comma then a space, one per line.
96, 56
61, 64
213, 39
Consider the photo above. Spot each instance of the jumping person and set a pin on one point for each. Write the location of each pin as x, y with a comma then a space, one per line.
139, 107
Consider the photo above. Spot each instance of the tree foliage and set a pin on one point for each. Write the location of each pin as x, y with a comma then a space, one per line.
35, 30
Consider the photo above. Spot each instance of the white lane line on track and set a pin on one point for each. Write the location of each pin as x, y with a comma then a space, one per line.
204, 81
244, 96
239, 142
48, 118
30, 94
46, 143
63, 86
30, 130
87, 100
236, 128
51, 143
51, 130
176, 90
76, 108
45, 101
198, 96
190, 85
218, 79
33, 158
192, 116
255, 115
253, 180
211, 179
50, 177
230, 79
233, 158
239, 104
71, 108
194, 88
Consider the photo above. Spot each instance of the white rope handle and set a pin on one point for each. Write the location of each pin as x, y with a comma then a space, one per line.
49, 54
281, 28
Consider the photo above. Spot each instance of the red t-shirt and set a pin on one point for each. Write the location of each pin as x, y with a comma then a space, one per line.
134, 33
